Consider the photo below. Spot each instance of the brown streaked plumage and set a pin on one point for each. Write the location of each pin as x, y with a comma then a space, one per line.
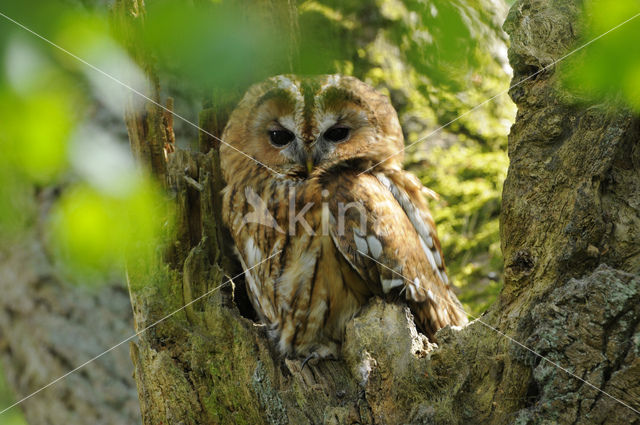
343, 236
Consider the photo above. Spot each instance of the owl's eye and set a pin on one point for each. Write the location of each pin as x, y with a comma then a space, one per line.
336, 134
280, 137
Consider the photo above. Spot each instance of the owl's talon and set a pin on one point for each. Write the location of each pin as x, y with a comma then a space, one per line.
309, 357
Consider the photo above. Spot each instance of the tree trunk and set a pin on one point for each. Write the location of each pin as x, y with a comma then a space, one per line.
49, 326
570, 237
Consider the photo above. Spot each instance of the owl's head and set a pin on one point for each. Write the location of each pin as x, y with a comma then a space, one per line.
297, 125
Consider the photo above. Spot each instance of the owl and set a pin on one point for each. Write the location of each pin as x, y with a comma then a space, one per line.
318, 231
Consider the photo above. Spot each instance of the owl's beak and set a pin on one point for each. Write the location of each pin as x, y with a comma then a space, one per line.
309, 164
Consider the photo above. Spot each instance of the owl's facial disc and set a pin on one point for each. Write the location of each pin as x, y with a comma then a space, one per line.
300, 124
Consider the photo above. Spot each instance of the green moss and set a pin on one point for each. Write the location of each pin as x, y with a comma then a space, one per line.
223, 368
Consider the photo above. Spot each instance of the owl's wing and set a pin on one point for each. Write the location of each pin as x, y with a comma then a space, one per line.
382, 226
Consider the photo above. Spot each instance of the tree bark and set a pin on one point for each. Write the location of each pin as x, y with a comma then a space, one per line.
571, 241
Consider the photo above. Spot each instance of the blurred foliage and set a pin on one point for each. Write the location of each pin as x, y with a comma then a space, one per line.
95, 230
37, 115
59, 136
215, 44
469, 181
606, 70
51, 137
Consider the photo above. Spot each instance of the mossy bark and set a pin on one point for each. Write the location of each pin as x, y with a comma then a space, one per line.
570, 237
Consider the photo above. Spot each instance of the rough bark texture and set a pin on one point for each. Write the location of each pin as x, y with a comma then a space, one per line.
570, 232
571, 240
49, 326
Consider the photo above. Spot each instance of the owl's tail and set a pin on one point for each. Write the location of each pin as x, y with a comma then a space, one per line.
433, 315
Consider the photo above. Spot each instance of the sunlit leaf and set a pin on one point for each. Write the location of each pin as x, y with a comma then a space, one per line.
606, 69
36, 130
97, 232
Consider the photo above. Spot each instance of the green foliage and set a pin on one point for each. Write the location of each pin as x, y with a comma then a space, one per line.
94, 230
470, 183
108, 208
608, 69
36, 109
215, 44
38, 150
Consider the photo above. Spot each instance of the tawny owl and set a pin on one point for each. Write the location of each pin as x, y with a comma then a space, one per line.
299, 186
